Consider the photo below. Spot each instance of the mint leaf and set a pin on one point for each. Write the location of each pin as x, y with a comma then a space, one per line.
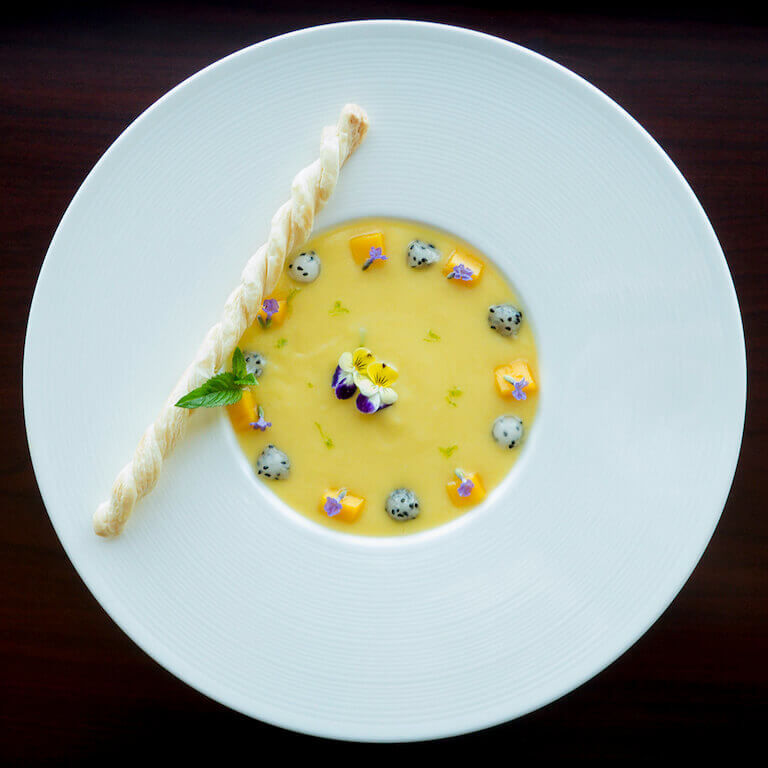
200, 398
249, 380
238, 364
222, 389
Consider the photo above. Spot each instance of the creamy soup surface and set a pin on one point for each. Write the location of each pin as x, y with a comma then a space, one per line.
435, 331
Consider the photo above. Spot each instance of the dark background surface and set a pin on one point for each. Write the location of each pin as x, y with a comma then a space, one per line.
73, 686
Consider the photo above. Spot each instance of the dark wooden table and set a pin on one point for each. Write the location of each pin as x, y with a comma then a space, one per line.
73, 686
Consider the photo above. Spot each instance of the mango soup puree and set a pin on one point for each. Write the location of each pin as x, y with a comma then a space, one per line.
397, 379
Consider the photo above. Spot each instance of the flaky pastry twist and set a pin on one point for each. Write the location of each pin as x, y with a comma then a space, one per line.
290, 228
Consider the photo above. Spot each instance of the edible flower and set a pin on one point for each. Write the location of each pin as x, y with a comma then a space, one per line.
375, 255
375, 390
466, 485
519, 385
460, 272
261, 423
332, 504
351, 371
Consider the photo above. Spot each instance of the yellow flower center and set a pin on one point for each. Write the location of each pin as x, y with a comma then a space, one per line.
362, 358
382, 374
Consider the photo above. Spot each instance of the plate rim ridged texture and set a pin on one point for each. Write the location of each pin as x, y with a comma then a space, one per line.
517, 602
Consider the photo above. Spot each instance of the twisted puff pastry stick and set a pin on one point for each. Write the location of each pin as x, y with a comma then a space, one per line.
290, 228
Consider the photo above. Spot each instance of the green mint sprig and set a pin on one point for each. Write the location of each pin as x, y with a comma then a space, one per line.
223, 388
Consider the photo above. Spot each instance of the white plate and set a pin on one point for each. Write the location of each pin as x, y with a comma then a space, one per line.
620, 486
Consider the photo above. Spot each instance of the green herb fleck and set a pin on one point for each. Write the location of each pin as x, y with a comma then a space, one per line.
280, 343
338, 308
310, 384
327, 440
291, 294
431, 336
453, 393
221, 389
264, 323
448, 451
362, 337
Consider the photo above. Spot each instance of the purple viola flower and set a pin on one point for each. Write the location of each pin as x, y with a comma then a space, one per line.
332, 504
366, 404
461, 272
375, 254
519, 385
343, 383
261, 423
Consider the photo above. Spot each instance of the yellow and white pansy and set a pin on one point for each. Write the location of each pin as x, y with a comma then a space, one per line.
351, 371
376, 389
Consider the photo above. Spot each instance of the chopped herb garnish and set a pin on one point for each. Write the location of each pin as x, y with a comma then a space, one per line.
327, 440
363, 334
448, 451
431, 336
310, 384
338, 308
291, 294
453, 393
280, 343
221, 389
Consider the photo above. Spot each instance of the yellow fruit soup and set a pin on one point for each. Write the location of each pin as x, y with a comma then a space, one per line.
398, 379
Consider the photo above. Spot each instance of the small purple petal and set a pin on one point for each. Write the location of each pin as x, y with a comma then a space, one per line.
270, 307
332, 506
461, 272
518, 392
336, 376
365, 404
345, 389
465, 487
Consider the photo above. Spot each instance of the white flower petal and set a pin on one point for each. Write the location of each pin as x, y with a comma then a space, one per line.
345, 362
367, 387
359, 378
388, 395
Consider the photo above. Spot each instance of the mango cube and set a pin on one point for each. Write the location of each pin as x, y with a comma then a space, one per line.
278, 318
459, 259
351, 505
361, 249
243, 412
475, 495
516, 370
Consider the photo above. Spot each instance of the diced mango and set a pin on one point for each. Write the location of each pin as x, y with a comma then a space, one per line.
361, 248
475, 496
243, 412
278, 318
459, 257
517, 369
351, 505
